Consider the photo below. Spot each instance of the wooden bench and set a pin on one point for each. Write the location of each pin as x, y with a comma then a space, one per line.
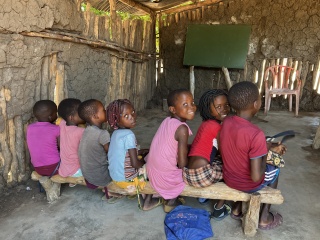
250, 206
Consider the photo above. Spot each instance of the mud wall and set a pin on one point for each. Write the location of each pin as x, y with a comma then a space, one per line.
52, 50
280, 29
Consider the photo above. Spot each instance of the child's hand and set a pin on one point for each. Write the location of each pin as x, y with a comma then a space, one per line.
278, 148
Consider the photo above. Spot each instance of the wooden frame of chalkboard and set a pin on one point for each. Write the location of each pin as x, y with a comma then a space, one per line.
217, 45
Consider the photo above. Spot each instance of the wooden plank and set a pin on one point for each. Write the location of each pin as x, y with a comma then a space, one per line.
216, 191
20, 147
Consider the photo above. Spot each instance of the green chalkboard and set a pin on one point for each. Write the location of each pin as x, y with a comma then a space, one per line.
217, 45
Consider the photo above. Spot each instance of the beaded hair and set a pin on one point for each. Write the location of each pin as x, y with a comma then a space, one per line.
206, 99
114, 111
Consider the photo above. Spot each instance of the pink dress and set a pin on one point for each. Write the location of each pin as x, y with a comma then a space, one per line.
164, 175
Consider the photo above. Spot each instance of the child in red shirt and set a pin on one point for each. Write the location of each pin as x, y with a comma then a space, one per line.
244, 151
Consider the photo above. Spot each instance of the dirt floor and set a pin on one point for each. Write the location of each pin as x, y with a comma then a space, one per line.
81, 214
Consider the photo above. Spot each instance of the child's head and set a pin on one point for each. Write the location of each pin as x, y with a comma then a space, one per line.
181, 104
121, 114
92, 111
45, 111
214, 105
68, 110
245, 96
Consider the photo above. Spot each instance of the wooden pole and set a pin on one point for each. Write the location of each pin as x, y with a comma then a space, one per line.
227, 77
82, 40
192, 80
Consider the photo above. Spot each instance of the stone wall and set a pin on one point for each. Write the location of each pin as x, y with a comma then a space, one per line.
280, 29
75, 58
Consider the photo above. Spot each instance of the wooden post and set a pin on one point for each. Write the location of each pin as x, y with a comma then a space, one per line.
227, 77
52, 188
251, 219
192, 80
113, 15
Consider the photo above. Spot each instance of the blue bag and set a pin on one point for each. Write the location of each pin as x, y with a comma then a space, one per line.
185, 223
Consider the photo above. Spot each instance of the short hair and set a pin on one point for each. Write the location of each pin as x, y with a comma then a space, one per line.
68, 107
206, 99
173, 95
87, 109
44, 108
242, 94
114, 110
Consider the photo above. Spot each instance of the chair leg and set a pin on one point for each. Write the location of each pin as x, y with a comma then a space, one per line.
290, 102
269, 102
297, 104
266, 103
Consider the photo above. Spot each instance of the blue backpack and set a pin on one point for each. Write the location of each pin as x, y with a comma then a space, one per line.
184, 223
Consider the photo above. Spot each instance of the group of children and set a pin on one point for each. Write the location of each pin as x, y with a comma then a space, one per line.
234, 151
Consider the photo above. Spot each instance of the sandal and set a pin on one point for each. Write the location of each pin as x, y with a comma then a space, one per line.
217, 213
168, 208
112, 199
277, 221
159, 203
72, 184
236, 217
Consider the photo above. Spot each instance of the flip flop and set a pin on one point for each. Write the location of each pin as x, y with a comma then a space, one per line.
277, 221
112, 199
159, 203
236, 217
168, 208
227, 211
132, 197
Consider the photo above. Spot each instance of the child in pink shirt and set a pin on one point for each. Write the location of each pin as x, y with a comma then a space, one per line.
43, 138
70, 136
169, 149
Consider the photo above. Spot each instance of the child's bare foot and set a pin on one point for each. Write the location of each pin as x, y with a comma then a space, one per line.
153, 203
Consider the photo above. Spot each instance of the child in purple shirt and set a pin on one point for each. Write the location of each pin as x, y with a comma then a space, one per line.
43, 138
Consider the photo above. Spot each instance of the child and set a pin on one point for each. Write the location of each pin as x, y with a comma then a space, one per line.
123, 155
43, 138
204, 167
94, 145
244, 151
70, 136
169, 148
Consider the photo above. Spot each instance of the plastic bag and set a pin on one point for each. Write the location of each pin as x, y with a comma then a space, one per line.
185, 223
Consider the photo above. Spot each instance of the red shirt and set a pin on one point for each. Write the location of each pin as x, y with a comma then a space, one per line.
240, 142
203, 141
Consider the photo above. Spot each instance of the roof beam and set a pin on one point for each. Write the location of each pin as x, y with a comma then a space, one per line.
188, 7
139, 6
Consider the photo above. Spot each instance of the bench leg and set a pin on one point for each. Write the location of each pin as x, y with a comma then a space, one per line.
251, 218
52, 189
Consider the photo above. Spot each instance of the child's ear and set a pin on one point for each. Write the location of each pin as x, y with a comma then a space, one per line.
256, 105
172, 109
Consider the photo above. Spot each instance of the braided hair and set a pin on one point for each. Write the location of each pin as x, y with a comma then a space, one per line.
206, 99
114, 110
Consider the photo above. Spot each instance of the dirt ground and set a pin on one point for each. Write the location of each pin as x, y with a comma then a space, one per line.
81, 214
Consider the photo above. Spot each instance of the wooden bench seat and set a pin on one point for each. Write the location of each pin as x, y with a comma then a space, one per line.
250, 206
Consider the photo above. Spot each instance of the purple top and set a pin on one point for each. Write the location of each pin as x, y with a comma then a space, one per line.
42, 140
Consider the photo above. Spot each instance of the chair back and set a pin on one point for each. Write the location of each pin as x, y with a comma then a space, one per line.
282, 77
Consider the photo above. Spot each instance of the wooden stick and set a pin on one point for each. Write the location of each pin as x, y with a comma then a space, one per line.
52, 188
82, 40
172, 10
227, 77
192, 80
